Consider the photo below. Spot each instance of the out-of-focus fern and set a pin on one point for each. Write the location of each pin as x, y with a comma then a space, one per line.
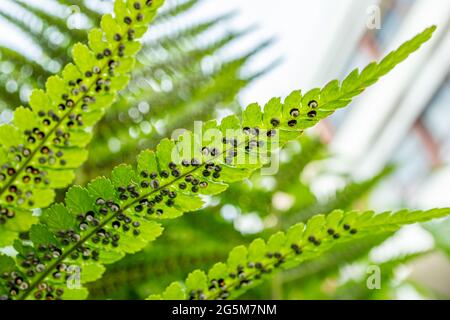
21, 74
58, 52
121, 276
151, 270
357, 288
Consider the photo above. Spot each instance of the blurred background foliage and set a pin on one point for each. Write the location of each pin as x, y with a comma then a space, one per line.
181, 78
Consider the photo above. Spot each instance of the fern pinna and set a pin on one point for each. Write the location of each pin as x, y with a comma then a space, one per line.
109, 218
246, 267
43, 145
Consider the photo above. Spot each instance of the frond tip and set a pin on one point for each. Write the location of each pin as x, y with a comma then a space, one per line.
337, 95
248, 266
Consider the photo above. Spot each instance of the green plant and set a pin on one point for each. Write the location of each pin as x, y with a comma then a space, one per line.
47, 141
68, 245
246, 267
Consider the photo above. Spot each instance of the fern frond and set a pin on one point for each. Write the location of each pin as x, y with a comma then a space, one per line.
112, 217
24, 74
189, 33
337, 96
164, 261
43, 145
73, 35
175, 44
39, 68
14, 57
179, 65
34, 34
305, 280
138, 276
201, 85
181, 59
247, 267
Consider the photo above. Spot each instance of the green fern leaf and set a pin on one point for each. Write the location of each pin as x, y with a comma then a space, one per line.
119, 215
21, 70
302, 242
44, 144
164, 261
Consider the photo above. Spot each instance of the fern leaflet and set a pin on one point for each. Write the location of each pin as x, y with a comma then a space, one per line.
43, 145
247, 267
